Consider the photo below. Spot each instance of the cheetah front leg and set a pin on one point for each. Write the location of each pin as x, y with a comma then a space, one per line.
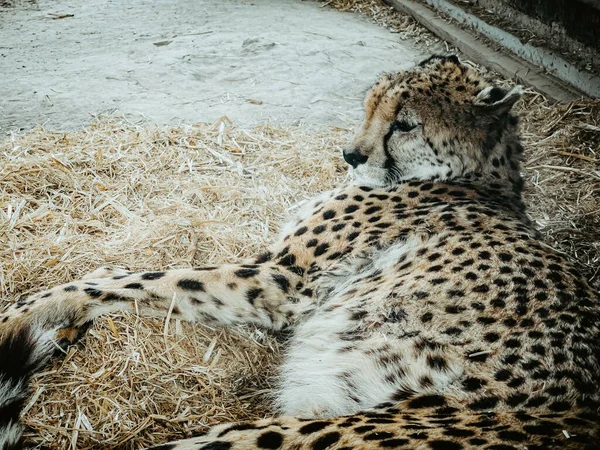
263, 294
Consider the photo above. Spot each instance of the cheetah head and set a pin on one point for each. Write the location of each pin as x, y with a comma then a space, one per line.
441, 120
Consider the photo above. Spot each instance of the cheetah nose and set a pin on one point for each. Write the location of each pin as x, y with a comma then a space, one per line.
355, 157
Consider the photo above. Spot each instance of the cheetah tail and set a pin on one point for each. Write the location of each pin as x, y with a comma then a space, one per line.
22, 353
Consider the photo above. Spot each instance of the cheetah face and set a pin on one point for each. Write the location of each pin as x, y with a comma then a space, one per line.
441, 120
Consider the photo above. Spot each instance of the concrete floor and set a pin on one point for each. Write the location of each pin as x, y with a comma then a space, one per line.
187, 61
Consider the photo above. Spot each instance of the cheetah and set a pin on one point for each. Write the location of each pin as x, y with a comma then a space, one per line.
425, 311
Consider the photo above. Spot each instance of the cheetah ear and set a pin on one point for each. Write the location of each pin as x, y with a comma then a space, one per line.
499, 100
433, 59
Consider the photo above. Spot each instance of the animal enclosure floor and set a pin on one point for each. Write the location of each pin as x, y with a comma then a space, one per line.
189, 61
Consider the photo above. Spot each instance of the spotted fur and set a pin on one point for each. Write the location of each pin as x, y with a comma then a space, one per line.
426, 311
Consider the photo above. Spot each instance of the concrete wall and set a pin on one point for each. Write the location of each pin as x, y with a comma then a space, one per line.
580, 19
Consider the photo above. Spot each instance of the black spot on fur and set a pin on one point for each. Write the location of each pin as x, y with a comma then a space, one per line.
253, 294
393, 443
478, 356
282, 282
313, 427
485, 403
270, 440
329, 214
515, 436
372, 210
473, 384
217, 445
94, 293
559, 406
191, 285
427, 401
263, 257
312, 243
288, 260
152, 275
300, 231
378, 436
319, 229
321, 249
246, 273
502, 375
491, 337
113, 297
437, 362
326, 440
439, 444
459, 432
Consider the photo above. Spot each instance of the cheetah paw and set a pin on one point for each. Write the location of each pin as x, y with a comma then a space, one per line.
69, 335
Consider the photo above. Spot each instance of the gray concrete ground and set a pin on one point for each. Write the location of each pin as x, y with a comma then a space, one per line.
289, 61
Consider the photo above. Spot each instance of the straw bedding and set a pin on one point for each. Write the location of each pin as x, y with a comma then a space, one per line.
164, 197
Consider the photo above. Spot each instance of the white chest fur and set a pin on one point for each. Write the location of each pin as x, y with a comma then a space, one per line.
332, 371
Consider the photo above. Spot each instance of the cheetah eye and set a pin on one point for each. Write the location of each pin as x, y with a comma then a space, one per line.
403, 126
